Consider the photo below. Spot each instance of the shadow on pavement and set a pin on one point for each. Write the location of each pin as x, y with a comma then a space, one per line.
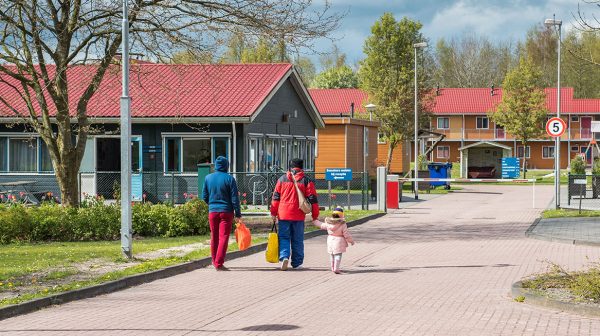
260, 327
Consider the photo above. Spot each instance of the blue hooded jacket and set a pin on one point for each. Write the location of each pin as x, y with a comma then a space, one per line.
220, 190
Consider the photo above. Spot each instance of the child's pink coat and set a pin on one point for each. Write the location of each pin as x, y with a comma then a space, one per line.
339, 236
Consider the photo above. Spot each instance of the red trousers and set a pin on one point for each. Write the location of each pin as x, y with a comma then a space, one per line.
220, 228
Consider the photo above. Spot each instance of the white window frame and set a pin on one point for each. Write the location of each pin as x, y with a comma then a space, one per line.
482, 118
190, 136
438, 152
545, 156
447, 119
526, 151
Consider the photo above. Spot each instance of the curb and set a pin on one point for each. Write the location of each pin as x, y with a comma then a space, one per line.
540, 300
529, 234
138, 279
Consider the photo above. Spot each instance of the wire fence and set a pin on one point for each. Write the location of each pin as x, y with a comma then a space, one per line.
583, 191
256, 188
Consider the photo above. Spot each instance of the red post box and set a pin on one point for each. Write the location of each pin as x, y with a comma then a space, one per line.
393, 192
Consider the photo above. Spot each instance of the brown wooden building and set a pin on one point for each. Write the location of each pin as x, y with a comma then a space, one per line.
349, 139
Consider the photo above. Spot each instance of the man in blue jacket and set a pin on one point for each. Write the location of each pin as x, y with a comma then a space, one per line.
220, 192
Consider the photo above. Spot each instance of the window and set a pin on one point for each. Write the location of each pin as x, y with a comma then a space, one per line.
575, 149
45, 160
574, 118
522, 152
193, 152
482, 123
184, 154
23, 155
252, 155
548, 152
172, 154
380, 138
443, 123
443, 152
3, 149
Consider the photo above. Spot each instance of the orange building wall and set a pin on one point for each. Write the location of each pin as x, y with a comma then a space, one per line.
341, 146
400, 157
331, 148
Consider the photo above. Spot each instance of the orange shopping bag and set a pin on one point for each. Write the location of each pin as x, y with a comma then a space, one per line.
242, 236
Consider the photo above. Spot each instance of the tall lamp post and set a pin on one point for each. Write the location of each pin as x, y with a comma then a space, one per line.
126, 230
417, 46
556, 23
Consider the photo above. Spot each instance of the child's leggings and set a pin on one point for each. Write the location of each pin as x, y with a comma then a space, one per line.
336, 260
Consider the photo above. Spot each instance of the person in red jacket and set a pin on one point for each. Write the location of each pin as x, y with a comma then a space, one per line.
285, 208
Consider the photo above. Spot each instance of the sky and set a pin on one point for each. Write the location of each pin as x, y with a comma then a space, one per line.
499, 20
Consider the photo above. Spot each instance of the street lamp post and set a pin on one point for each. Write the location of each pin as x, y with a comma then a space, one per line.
556, 23
370, 108
126, 229
416, 184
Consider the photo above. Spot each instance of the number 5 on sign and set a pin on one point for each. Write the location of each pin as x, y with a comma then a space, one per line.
555, 127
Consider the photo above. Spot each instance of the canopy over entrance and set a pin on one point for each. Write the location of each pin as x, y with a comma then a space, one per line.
483, 159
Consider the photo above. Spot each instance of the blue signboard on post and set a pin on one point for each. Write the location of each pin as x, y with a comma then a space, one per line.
511, 168
338, 174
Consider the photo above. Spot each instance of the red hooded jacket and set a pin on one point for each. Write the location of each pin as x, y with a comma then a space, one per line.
285, 203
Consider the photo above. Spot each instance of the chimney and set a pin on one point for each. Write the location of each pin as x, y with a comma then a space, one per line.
437, 90
352, 110
492, 91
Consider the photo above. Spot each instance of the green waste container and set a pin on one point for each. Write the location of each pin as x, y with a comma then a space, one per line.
203, 170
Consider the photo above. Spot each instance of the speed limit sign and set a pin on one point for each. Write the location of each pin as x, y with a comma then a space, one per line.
555, 127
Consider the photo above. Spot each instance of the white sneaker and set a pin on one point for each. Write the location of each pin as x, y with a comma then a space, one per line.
284, 264
299, 267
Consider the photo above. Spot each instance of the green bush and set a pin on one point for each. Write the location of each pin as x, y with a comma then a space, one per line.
96, 220
578, 166
596, 167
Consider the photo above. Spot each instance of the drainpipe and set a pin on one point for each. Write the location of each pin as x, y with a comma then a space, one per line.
233, 147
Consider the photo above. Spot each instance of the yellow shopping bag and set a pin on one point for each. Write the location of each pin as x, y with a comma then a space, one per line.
272, 254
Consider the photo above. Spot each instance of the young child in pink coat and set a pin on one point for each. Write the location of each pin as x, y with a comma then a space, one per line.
338, 238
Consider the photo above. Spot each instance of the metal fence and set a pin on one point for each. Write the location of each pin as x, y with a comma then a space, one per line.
582, 191
255, 188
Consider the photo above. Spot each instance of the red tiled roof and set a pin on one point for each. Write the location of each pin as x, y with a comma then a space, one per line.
166, 90
336, 101
452, 101
481, 101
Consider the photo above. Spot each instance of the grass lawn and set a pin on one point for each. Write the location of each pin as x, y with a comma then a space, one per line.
561, 213
20, 259
19, 263
338, 191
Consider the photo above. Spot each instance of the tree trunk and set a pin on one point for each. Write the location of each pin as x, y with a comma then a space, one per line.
388, 162
68, 182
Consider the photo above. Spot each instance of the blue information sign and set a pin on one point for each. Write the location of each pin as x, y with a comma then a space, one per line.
338, 174
510, 167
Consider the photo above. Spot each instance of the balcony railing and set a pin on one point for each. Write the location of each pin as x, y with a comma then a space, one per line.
498, 134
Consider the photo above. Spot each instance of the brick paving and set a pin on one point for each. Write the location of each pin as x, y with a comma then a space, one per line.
441, 267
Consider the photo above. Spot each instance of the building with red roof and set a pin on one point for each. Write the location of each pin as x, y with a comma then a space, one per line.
462, 115
258, 115
349, 140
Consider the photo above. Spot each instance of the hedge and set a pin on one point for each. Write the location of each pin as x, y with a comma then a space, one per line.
97, 220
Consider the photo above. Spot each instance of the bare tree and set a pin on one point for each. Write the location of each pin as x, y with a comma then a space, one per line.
42, 39
472, 61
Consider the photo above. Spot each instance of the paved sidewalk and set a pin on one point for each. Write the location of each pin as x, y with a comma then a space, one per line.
441, 267
582, 230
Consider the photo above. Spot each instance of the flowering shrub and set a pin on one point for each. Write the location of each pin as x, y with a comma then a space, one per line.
97, 220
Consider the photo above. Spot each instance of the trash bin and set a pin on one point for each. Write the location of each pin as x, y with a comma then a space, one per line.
440, 170
203, 170
393, 192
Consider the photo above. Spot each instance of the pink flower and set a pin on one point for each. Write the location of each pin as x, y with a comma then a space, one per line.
244, 194
185, 195
144, 196
21, 194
